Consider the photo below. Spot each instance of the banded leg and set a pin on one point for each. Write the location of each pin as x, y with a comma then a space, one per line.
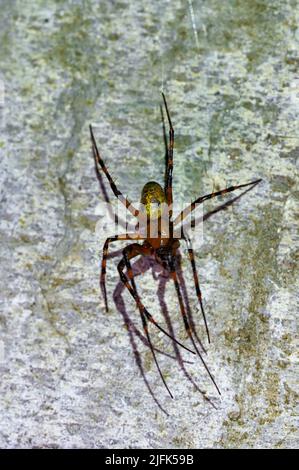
196, 282
183, 288
169, 168
113, 186
161, 289
165, 144
186, 323
134, 294
201, 199
126, 236
129, 253
117, 219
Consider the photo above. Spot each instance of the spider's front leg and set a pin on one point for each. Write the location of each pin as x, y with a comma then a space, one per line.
201, 199
169, 166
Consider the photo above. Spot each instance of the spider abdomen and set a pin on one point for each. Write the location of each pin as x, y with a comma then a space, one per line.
153, 198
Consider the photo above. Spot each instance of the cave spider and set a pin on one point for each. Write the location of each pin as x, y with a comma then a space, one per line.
163, 246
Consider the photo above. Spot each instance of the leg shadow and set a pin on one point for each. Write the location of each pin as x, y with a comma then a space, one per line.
141, 266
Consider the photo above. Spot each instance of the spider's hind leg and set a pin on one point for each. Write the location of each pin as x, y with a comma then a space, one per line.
196, 281
128, 253
121, 265
183, 288
186, 322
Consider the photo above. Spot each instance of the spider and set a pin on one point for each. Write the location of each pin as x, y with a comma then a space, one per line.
156, 209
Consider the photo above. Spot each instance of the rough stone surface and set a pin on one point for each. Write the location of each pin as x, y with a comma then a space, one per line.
69, 376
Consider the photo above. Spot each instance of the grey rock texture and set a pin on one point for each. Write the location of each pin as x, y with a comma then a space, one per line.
69, 376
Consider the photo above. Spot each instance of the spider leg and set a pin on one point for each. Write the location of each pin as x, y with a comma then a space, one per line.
169, 167
186, 323
165, 143
126, 236
128, 253
131, 327
161, 288
113, 186
141, 307
133, 332
182, 284
201, 199
196, 282
105, 194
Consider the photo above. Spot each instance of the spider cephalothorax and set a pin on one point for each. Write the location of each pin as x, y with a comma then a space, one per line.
155, 228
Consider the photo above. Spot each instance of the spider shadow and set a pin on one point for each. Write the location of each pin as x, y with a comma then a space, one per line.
140, 267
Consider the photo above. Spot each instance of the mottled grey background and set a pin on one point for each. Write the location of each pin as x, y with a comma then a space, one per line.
230, 71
